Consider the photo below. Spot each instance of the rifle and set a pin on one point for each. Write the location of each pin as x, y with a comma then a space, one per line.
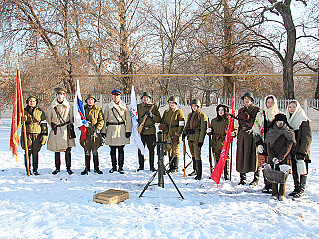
244, 121
140, 128
210, 150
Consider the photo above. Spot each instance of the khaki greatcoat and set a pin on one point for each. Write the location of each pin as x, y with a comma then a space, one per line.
115, 134
60, 141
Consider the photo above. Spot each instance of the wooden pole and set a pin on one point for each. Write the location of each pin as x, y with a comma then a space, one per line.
26, 148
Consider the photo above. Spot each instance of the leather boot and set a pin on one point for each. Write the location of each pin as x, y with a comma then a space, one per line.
226, 170
268, 186
140, 161
152, 156
295, 176
35, 163
274, 193
198, 169
301, 192
171, 164
57, 162
87, 164
282, 190
114, 166
96, 164
256, 178
121, 162
243, 179
68, 161
176, 162
194, 168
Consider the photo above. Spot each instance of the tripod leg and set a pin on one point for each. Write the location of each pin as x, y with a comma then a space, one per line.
174, 184
148, 184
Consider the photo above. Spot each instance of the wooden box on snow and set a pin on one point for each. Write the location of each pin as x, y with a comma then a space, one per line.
111, 196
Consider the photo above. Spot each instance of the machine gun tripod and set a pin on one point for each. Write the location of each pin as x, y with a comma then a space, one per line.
161, 168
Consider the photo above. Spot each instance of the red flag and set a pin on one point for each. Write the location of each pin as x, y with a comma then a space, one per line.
218, 170
17, 114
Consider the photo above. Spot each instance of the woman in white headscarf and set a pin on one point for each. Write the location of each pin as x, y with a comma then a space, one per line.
300, 123
260, 128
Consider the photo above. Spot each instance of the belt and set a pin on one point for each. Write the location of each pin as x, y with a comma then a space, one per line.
115, 123
173, 126
217, 136
151, 126
34, 123
193, 131
60, 125
245, 128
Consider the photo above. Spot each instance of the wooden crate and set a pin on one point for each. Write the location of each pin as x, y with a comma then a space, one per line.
111, 196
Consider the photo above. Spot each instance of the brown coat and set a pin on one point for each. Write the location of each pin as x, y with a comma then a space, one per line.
281, 150
303, 140
115, 133
246, 148
60, 141
149, 126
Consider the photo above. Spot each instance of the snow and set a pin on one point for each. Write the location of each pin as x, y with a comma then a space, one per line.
62, 206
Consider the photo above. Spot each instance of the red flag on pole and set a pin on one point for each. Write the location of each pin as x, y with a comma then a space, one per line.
17, 114
218, 170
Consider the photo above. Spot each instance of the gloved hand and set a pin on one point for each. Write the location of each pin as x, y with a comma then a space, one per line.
128, 134
54, 128
43, 139
183, 136
260, 149
200, 144
275, 160
233, 134
149, 114
23, 118
103, 135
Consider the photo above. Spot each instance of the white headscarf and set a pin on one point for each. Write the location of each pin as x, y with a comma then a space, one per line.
296, 119
258, 127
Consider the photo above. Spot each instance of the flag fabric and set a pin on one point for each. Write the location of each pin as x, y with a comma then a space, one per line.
134, 115
218, 170
17, 113
79, 112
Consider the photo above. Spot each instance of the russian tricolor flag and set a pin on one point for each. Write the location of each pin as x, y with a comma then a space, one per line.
79, 113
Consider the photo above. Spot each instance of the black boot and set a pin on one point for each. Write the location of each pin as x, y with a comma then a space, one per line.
301, 192
140, 161
114, 164
174, 165
274, 193
282, 190
296, 184
267, 188
198, 169
256, 178
152, 162
57, 162
68, 161
87, 164
226, 170
121, 161
243, 179
194, 168
35, 163
96, 164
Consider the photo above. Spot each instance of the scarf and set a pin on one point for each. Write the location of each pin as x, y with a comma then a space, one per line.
296, 119
274, 133
258, 127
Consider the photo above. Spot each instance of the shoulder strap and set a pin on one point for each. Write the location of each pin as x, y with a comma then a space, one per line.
58, 114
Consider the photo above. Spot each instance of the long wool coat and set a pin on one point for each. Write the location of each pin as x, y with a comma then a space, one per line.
60, 141
115, 134
246, 148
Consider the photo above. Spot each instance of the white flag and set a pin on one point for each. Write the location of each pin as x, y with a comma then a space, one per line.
79, 113
135, 135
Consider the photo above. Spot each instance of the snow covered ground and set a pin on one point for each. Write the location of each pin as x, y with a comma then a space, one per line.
61, 206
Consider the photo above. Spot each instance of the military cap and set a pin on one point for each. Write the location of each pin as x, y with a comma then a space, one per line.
226, 109
116, 92
173, 98
32, 97
90, 96
60, 90
196, 102
248, 94
146, 94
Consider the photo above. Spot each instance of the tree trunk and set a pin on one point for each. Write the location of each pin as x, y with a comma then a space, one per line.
317, 89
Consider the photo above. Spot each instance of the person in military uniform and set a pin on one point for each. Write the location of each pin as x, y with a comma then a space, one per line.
93, 114
246, 160
172, 124
36, 131
195, 130
218, 133
117, 129
148, 134
59, 115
